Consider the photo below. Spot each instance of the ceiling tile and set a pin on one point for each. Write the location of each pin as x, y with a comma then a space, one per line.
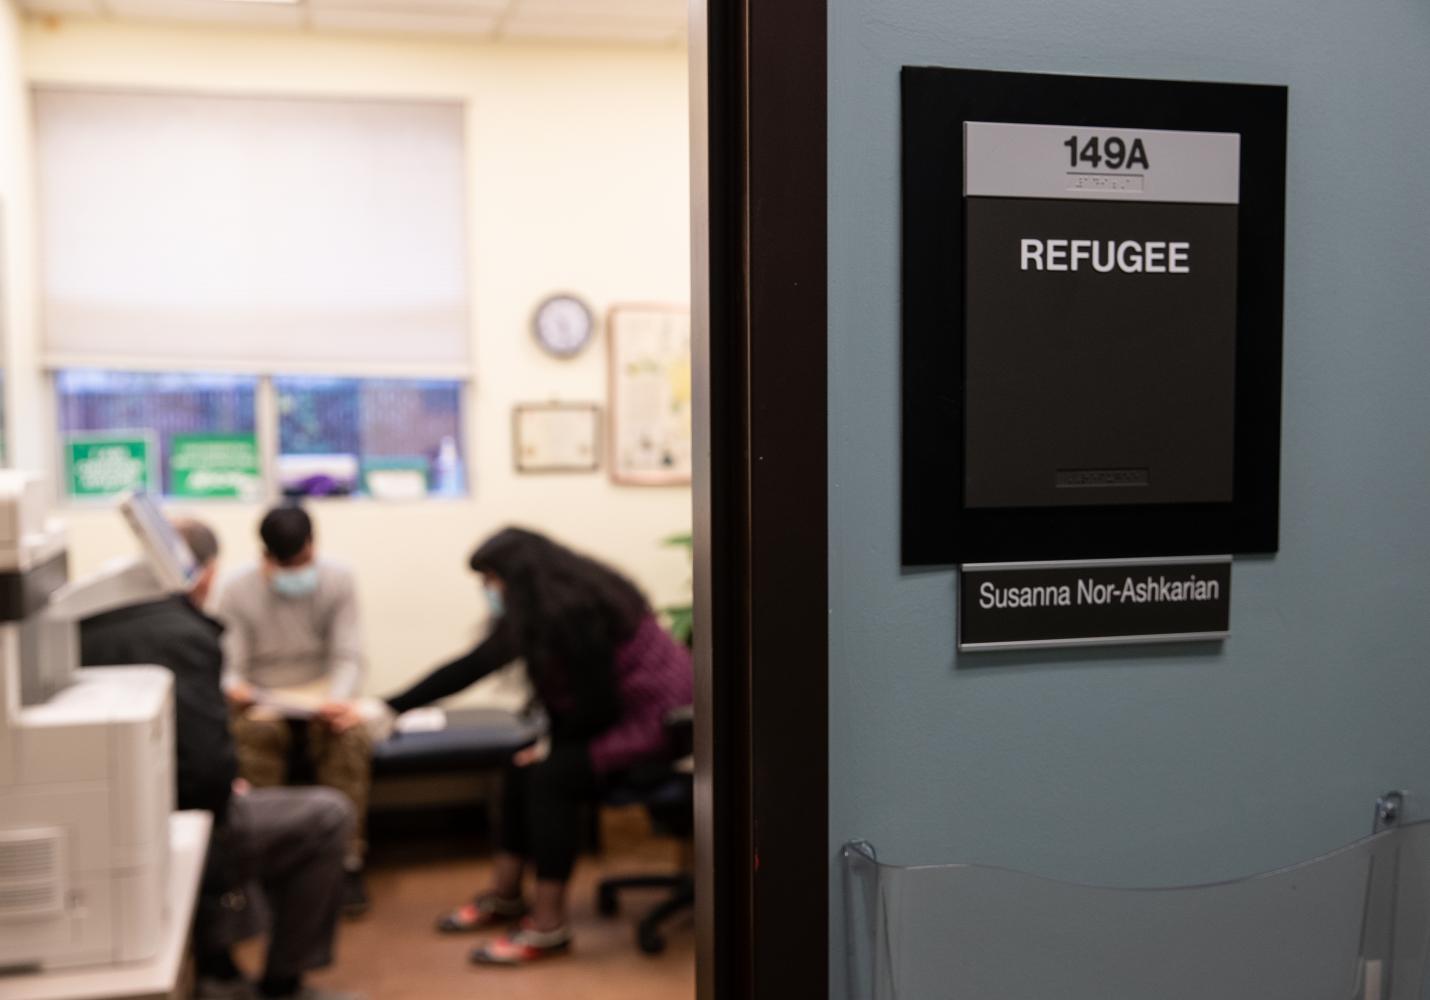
585, 29
61, 6
649, 21
404, 22
417, 7
242, 12
657, 21
655, 9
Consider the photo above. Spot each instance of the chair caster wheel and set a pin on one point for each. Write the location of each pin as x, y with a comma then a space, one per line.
650, 941
607, 905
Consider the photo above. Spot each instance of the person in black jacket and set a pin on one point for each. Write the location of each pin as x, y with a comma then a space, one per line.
288, 840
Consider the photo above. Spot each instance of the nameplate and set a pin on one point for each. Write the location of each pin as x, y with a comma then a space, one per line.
1022, 605
1004, 160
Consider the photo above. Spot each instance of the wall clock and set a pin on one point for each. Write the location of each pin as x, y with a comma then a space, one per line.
563, 325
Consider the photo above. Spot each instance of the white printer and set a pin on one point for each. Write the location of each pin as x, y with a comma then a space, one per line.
86, 756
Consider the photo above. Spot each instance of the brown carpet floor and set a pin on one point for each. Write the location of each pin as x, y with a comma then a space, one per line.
394, 954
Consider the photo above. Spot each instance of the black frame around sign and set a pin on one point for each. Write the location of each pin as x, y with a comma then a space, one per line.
937, 528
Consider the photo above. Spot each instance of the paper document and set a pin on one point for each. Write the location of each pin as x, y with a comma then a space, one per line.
422, 720
300, 702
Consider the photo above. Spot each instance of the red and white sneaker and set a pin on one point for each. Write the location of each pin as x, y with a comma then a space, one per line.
523, 946
483, 913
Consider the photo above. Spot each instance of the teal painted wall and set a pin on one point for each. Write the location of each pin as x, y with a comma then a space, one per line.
1153, 765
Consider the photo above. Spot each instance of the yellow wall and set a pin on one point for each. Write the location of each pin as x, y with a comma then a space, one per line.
579, 180
17, 242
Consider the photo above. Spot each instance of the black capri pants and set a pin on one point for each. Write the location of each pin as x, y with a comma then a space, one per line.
543, 806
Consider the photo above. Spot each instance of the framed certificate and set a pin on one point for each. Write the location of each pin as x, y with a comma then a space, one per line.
556, 437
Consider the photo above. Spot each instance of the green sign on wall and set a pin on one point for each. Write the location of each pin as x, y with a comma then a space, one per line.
101, 465
214, 465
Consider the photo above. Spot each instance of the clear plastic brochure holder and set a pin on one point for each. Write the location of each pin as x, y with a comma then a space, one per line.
1351, 925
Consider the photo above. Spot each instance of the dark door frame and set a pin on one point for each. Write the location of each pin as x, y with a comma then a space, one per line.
759, 302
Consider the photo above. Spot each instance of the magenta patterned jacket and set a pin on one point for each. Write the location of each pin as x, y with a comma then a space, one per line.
653, 675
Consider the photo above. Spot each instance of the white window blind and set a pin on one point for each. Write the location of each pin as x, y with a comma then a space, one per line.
253, 233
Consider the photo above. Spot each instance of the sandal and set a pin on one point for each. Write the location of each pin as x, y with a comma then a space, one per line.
482, 913
523, 946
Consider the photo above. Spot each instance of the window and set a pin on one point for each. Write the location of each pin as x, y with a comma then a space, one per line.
251, 233
297, 234
383, 437
188, 435
196, 436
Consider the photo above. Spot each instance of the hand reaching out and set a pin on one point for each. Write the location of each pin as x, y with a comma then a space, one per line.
341, 715
533, 754
240, 696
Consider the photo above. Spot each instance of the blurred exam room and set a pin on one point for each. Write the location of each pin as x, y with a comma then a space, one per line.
421, 271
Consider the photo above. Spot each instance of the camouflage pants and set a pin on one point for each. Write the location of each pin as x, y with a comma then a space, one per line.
340, 760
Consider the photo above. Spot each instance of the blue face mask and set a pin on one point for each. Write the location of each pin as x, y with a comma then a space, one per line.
496, 601
295, 582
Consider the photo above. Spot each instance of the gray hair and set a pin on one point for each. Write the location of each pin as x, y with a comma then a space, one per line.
202, 542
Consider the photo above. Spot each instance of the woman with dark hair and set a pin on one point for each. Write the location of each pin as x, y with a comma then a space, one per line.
606, 673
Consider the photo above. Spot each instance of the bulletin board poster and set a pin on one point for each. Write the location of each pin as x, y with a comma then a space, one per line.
650, 418
215, 466
103, 465
397, 477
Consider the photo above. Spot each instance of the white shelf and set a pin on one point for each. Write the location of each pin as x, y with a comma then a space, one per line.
151, 980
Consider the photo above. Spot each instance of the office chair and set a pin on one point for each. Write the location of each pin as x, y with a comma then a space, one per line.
664, 790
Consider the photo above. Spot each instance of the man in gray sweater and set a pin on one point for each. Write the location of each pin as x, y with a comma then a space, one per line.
293, 642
